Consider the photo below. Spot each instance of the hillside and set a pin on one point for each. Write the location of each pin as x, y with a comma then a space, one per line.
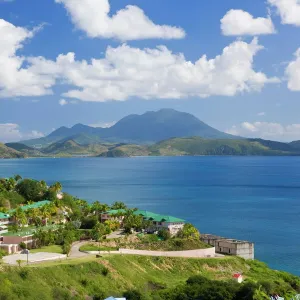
6, 152
199, 146
29, 151
152, 277
147, 128
72, 148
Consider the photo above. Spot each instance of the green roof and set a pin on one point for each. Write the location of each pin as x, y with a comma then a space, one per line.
156, 217
33, 205
4, 216
115, 211
30, 230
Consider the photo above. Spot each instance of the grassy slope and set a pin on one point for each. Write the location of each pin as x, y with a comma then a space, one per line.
6, 152
84, 276
199, 146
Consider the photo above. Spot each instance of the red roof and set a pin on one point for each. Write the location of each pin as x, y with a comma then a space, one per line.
237, 275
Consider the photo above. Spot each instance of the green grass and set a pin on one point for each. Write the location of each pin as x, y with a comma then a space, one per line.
51, 249
95, 247
84, 277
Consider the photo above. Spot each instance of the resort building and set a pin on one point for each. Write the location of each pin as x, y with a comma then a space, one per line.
172, 224
4, 219
228, 246
114, 214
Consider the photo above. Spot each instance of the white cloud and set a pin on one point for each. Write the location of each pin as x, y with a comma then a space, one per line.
10, 132
63, 102
15, 79
289, 11
239, 22
127, 72
292, 73
130, 23
261, 114
103, 124
265, 130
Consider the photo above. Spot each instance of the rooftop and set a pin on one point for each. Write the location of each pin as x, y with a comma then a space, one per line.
4, 216
29, 230
33, 205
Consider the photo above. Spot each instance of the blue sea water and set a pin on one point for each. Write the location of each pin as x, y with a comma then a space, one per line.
252, 198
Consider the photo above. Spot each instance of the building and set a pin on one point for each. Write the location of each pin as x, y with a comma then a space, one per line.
5, 219
113, 298
114, 215
238, 277
172, 224
228, 246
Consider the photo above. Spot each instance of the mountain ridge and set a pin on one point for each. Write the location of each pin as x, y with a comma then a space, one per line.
148, 128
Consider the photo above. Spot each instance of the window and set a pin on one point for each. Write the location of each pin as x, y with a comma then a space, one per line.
220, 249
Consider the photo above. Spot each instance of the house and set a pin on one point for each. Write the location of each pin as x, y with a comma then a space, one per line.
113, 298
229, 246
3, 229
5, 218
114, 214
238, 277
172, 224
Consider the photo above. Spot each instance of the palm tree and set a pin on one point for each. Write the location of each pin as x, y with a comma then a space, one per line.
20, 217
33, 214
17, 177
45, 213
56, 187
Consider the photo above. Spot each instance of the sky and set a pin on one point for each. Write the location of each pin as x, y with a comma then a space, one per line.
233, 64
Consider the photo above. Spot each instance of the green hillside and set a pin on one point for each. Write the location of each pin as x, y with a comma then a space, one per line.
72, 148
126, 151
29, 151
6, 152
199, 146
153, 277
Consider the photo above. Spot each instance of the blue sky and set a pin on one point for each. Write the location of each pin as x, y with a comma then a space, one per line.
253, 90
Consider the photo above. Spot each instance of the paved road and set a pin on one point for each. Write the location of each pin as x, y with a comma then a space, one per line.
32, 258
75, 253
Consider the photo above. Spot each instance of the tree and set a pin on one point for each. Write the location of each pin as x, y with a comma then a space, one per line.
132, 222
19, 262
45, 213
99, 231
20, 217
189, 232
22, 245
118, 205
17, 178
34, 215
133, 295
31, 189
57, 187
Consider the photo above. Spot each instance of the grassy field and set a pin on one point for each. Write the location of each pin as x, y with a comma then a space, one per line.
51, 249
95, 247
114, 274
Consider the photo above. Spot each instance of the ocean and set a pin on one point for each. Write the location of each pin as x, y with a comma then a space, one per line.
251, 198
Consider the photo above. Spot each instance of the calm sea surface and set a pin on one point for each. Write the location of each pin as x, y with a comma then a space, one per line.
252, 198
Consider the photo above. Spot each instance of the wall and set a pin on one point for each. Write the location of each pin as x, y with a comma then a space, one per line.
209, 252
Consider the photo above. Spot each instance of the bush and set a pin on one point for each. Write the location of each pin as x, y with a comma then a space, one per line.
23, 274
133, 295
22, 245
105, 271
89, 222
164, 234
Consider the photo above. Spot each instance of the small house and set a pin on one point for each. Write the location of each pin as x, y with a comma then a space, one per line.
238, 277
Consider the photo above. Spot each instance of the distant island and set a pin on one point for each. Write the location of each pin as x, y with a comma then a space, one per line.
163, 133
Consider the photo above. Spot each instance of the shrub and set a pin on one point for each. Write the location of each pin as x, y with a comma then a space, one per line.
22, 245
105, 271
133, 295
23, 274
164, 234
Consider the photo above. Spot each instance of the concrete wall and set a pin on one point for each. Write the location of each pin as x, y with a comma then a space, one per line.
238, 248
209, 252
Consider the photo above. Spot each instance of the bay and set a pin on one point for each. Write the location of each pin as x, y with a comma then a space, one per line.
251, 198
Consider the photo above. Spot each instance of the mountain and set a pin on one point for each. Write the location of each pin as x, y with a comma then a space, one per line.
148, 128
6, 152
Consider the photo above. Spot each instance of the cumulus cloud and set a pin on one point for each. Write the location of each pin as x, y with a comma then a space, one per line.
265, 130
127, 72
63, 102
15, 79
10, 132
292, 73
130, 23
289, 11
239, 22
